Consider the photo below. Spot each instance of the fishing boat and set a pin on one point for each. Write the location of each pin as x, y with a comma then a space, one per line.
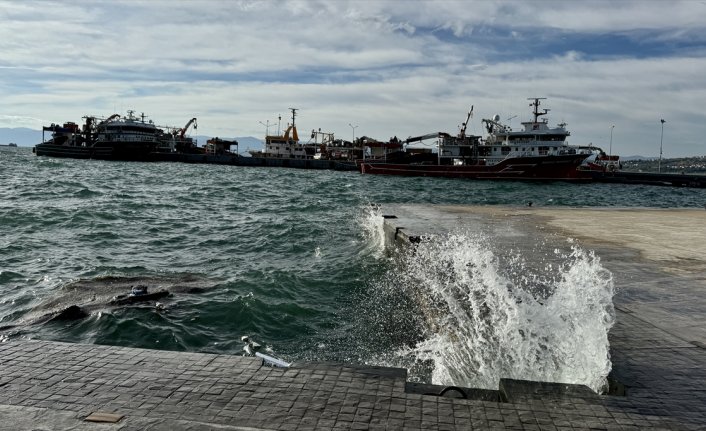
175, 140
8, 147
287, 151
538, 152
322, 150
117, 137
286, 146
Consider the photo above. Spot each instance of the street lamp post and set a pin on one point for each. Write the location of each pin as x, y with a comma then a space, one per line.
353, 141
610, 148
267, 127
659, 165
353, 127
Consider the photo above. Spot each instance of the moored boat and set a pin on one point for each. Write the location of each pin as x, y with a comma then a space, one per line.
114, 138
538, 152
287, 145
8, 147
537, 168
288, 152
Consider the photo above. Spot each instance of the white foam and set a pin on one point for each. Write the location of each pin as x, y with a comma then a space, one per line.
371, 223
489, 317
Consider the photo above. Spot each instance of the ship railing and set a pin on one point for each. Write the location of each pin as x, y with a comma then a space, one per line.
514, 154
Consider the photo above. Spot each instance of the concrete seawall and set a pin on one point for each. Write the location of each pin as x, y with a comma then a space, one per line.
658, 349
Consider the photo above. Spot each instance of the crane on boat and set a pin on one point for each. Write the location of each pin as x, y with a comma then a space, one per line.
423, 137
111, 118
184, 129
292, 128
462, 133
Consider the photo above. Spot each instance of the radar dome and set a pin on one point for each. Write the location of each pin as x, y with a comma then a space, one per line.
496, 117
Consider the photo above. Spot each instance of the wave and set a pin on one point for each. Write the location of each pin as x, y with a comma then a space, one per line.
487, 314
371, 222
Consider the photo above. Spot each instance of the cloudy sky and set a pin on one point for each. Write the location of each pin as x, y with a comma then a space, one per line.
388, 68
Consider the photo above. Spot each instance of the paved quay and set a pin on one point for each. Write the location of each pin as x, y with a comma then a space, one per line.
50, 385
658, 348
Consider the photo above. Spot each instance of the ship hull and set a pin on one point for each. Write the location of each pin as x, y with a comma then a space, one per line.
299, 163
237, 160
144, 154
133, 152
540, 168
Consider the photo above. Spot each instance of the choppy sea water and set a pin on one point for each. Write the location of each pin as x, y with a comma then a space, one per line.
293, 258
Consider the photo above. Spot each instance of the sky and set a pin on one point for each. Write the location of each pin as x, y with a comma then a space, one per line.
373, 68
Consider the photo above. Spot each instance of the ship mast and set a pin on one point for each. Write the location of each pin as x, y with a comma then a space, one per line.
293, 128
536, 104
294, 112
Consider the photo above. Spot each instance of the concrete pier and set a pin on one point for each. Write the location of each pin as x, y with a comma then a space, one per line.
658, 349
651, 178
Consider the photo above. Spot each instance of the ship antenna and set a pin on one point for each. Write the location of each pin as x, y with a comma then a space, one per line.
536, 104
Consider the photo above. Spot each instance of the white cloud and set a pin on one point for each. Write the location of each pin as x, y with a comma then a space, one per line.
384, 66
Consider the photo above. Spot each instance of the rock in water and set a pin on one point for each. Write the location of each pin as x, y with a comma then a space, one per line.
73, 312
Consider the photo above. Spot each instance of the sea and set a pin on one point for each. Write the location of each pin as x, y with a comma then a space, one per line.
295, 260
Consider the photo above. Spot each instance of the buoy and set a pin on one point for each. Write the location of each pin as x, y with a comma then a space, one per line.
138, 290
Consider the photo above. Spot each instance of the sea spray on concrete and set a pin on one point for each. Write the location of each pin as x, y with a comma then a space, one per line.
371, 222
484, 312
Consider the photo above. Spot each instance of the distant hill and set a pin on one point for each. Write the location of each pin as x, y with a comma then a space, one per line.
25, 137
21, 136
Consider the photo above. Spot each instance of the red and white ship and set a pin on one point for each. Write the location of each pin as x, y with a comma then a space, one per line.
539, 152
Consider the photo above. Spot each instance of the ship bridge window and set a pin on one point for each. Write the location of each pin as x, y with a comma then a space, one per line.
555, 138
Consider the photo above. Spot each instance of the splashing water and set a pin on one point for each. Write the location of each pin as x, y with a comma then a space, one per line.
371, 222
492, 314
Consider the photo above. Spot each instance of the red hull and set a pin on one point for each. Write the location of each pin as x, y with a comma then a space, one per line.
539, 168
